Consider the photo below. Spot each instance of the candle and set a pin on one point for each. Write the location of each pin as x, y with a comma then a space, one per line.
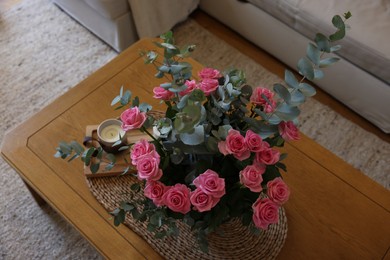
111, 133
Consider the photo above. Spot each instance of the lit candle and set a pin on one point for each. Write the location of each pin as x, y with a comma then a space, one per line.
110, 131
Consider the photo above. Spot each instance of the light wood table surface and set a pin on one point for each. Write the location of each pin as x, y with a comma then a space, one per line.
334, 212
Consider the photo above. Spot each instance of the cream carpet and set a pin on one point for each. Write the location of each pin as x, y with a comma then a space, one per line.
43, 53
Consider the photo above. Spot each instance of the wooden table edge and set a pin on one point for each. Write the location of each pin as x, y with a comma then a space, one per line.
344, 171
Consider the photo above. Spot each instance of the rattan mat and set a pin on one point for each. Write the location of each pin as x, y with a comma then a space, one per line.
234, 241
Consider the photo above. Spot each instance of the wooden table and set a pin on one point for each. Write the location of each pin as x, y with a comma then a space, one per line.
335, 212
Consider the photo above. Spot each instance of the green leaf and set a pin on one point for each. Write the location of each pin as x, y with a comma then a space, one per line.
87, 155
338, 22
347, 15
78, 148
145, 107
290, 79
127, 207
307, 90
94, 167
160, 235
328, 61
313, 53
322, 42
287, 112
115, 100
119, 217
297, 98
274, 119
281, 166
305, 68
151, 57
100, 153
126, 98
73, 157
283, 92
135, 102
135, 187
65, 148
111, 157
195, 138
318, 74
168, 46
335, 48
156, 219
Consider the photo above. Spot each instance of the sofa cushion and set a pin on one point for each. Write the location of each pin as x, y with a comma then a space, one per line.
111, 9
366, 44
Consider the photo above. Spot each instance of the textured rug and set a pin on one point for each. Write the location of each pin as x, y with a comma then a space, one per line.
44, 53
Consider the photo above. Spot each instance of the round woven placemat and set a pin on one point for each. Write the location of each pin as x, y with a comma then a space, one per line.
232, 241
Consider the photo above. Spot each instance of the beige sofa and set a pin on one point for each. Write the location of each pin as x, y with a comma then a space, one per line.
122, 22
361, 80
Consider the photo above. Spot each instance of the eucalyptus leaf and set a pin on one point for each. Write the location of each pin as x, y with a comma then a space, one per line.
116, 100
125, 98
290, 79
307, 90
328, 61
305, 68
283, 92
274, 119
94, 167
168, 46
313, 53
223, 131
195, 138
119, 217
151, 56
338, 22
335, 48
297, 98
287, 112
65, 148
145, 107
322, 42
318, 74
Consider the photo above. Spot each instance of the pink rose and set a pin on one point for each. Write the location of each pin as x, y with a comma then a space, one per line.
191, 85
132, 118
177, 198
208, 86
234, 144
288, 130
209, 73
155, 190
258, 99
210, 183
162, 93
254, 142
139, 149
251, 177
267, 156
202, 201
265, 212
278, 191
148, 167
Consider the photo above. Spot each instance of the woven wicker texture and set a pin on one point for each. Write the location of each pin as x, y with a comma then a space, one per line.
232, 241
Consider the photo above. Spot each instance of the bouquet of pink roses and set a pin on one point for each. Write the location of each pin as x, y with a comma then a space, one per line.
214, 153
